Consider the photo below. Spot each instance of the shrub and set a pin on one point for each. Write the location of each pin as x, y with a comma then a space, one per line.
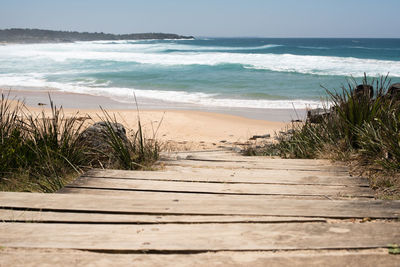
361, 124
134, 152
358, 122
40, 152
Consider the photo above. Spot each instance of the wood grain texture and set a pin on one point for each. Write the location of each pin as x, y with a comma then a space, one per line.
79, 217
203, 205
213, 208
231, 176
69, 257
221, 188
268, 165
151, 195
195, 237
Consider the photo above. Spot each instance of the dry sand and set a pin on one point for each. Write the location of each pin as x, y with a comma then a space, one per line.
177, 129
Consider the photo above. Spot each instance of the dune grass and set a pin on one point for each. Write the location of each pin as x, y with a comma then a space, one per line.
133, 152
362, 129
40, 152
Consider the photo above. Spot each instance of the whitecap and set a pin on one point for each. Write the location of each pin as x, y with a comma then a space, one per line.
150, 54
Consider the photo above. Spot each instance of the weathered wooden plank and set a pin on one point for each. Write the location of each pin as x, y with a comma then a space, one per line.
231, 176
203, 205
266, 172
205, 153
68, 257
261, 160
257, 165
233, 156
214, 155
201, 237
236, 157
150, 195
221, 188
79, 217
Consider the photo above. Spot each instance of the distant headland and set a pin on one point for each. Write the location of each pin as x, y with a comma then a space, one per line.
49, 36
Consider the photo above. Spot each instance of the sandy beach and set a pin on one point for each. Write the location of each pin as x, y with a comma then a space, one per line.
176, 129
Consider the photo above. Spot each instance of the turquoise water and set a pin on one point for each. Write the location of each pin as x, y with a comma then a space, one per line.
214, 72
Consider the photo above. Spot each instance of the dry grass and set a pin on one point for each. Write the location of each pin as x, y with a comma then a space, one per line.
361, 129
42, 153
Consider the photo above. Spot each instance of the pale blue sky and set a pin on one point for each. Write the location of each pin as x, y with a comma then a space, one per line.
224, 18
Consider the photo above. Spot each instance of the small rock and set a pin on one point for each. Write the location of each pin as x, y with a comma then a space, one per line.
96, 138
236, 149
290, 131
265, 136
394, 92
364, 90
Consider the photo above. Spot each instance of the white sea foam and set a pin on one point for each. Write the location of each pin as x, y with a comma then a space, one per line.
18, 63
150, 54
219, 48
315, 47
372, 48
126, 95
122, 46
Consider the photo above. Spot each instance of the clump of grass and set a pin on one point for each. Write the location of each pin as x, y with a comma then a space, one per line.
362, 125
379, 140
38, 149
10, 134
53, 143
132, 152
355, 124
40, 152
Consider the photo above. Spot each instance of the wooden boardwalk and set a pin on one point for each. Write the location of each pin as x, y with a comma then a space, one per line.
213, 208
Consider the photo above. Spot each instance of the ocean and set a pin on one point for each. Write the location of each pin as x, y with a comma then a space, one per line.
205, 72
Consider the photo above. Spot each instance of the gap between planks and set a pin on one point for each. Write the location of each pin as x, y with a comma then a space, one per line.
203, 205
150, 195
220, 188
80, 217
257, 166
329, 258
231, 176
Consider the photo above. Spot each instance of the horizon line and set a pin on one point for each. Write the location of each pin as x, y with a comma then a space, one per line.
212, 36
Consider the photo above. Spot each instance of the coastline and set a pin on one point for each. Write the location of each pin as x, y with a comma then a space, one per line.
70, 100
181, 128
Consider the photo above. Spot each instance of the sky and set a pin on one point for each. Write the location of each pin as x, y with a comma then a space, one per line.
213, 18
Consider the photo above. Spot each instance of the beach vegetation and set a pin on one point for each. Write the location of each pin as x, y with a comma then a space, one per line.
132, 152
362, 127
44, 151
